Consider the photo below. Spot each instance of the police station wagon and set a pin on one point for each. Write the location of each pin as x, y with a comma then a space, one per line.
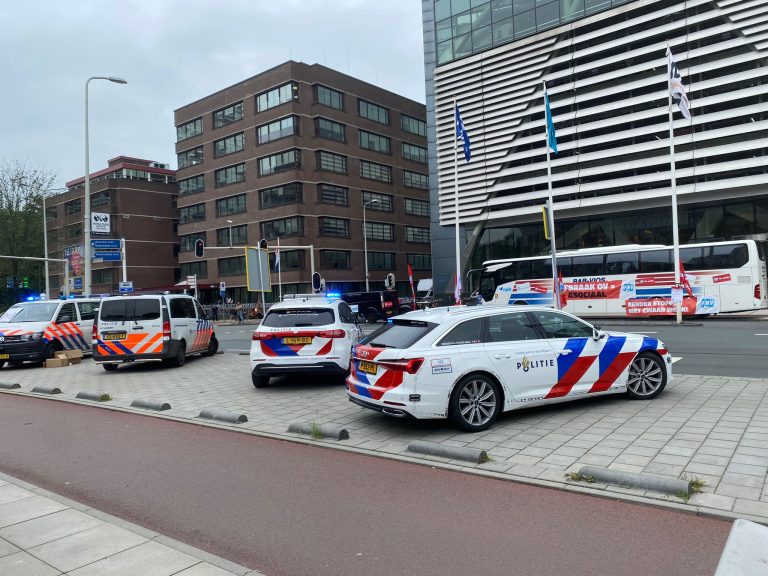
471, 363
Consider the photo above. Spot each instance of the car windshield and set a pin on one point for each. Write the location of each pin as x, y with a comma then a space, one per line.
298, 317
399, 334
30, 312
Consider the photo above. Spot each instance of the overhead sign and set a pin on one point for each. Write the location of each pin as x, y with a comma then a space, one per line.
126, 286
106, 244
257, 270
108, 256
99, 223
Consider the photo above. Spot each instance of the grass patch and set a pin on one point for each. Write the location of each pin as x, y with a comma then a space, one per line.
697, 485
578, 477
484, 458
105, 398
684, 496
314, 430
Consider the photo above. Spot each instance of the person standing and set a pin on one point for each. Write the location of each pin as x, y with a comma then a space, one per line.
239, 313
215, 312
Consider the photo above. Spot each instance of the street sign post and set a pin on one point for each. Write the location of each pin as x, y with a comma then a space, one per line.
106, 244
222, 288
126, 286
107, 256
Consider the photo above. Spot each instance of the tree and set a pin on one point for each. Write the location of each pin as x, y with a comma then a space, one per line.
22, 188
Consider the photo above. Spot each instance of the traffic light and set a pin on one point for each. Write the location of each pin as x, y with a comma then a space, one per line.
25, 282
199, 248
316, 281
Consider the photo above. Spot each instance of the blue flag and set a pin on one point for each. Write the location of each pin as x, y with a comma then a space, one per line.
551, 137
461, 134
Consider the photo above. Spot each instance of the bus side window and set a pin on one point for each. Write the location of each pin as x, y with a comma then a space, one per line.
625, 263
541, 268
591, 265
656, 261
692, 259
565, 266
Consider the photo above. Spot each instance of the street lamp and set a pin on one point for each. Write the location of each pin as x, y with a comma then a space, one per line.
87, 234
230, 232
365, 242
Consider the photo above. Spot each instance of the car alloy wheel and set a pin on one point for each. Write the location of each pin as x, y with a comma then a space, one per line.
647, 377
475, 403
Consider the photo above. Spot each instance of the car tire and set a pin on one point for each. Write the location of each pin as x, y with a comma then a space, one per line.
2, 363
181, 356
260, 381
475, 403
51, 348
213, 347
371, 317
110, 367
647, 377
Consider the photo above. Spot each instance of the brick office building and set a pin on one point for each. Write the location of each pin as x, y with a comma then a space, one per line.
295, 153
140, 198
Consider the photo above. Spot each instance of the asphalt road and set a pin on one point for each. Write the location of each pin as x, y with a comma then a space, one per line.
289, 509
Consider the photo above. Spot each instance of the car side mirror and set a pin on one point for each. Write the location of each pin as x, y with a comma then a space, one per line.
64, 319
597, 334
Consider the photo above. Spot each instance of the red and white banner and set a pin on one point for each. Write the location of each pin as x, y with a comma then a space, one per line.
592, 290
721, 278
410, 279
660, 306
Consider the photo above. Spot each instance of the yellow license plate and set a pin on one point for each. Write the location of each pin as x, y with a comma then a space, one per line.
368, 367
4, 356
113, 336
298, 340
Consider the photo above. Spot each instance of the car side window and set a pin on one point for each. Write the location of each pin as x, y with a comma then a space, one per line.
511, 328
345, 313
557, 325
182, 308
67, 313
189, 308
469, 332
87, 310
199, 310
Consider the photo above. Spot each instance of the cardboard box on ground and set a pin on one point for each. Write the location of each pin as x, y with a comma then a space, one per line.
64, 358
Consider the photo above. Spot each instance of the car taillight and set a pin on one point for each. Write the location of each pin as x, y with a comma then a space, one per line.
411, 366
332, 334
261, 336
95, 333
167, 330
386, 304
757, 291
663, 351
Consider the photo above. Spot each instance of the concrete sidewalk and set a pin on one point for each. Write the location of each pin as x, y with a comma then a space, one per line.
43, 534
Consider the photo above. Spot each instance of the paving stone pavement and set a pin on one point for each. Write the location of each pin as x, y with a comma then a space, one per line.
42, 534
709, 428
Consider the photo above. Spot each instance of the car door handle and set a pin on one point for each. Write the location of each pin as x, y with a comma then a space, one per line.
138, 328
502, 356
564, 351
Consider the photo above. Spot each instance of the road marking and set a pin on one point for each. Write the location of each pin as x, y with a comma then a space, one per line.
761, 334
641, 332
676, 359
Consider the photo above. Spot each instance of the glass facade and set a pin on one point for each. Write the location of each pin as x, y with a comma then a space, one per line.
228, 145
231, 205
279, 162
228, 115
331, 162
189, 129
277, 96
336, 259
329, 129
278, 129
383, 201
331, 194
192, 185
464, 27
229, 175
329, 97
280, 195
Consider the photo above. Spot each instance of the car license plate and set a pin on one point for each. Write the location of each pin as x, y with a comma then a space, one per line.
4, 356
298, 340
113, 336
368, 367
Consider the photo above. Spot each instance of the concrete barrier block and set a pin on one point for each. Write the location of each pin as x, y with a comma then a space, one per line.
46, 390
223, 416
10, 385
95, 396
319, 431
746, 550
475, 455
151, 405
633, 480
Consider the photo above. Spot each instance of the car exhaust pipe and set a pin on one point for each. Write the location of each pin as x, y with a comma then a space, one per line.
393, 412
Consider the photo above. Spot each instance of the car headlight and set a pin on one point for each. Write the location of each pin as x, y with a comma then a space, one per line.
33, 336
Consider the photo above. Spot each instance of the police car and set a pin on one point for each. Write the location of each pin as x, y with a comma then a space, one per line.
304, 334
471, 363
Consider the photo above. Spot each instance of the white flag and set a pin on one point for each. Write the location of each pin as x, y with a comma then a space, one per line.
676, 88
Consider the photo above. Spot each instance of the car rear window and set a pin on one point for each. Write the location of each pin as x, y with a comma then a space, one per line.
299, 317
129, 310
399, 334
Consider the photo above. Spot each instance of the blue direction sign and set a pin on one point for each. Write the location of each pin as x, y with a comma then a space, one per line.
108, 256
105, 244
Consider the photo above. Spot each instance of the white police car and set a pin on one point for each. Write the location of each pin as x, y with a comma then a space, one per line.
304, 334
471, 363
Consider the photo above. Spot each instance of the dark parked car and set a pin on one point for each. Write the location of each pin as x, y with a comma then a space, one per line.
374, 306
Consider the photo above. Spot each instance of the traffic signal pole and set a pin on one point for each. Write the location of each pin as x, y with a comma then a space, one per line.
35, 259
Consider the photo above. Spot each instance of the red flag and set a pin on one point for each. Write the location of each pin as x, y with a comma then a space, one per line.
563, 292
410, 279
684, 280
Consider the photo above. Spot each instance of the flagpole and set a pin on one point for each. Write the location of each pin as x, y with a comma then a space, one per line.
279, 272
551, 211
675, 234
456, 290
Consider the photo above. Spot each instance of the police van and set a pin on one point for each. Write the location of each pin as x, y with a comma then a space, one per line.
34, 331
151, 328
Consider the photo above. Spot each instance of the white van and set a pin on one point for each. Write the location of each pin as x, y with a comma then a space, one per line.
35, 331
151, 328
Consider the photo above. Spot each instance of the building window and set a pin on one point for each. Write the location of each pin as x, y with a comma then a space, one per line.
413, 125
187, 241
293, 226
190, 157
74, 232
189, 129
228, 145
230, 205
416, 234
73, 206
280, 162
329, 129
282, 128
51, 213
100, 199
281, 195
197, 268
289, 260
331, 162
194, 213
383, 201
192, 185
277, 96
228, 115
132, 174
414, 153
381, 260
373, 171
329, 97
416, 207
420, 261
229, 175
102, 276
330, 194
415, 180
231, 266
375, 142
334, 227
373, 112
239, 236
335, 259
379, 231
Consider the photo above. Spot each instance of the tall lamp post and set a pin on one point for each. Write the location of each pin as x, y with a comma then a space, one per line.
87, 234
365, 243
230, 232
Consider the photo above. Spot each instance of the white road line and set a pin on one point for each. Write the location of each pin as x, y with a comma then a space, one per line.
676, 359
761, 334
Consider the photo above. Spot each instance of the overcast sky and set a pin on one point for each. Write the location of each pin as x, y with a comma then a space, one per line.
173, 52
